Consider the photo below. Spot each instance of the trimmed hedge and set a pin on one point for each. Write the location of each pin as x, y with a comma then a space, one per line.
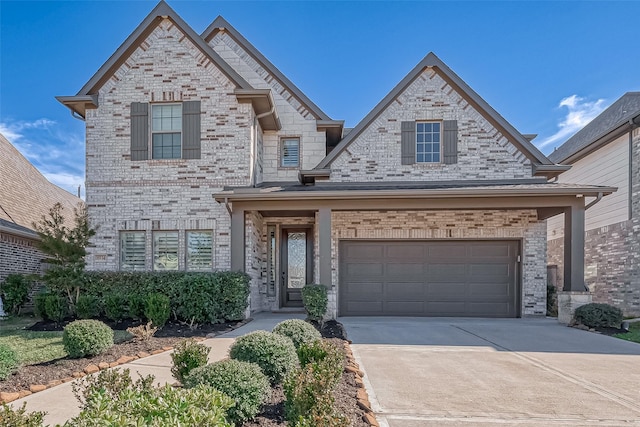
274, 353
315, 299
86, 338
596, 315
298, 330
187, 356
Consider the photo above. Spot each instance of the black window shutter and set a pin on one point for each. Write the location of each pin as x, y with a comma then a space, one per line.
191, 130
139, 131
450, 142
408, 142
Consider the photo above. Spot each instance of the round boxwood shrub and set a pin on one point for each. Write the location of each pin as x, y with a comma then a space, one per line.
8, 361
298, 330
244, 382
187, 356
275, 354
315, 299
87, 338
596, 315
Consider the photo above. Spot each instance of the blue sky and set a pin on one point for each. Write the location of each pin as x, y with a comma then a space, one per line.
548, 67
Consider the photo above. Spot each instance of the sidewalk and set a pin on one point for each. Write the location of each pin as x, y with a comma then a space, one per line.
61, 405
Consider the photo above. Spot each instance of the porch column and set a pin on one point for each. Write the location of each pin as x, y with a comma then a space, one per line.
324, 246
237, 240
574, 248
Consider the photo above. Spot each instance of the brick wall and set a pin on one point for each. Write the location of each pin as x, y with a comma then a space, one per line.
18, 255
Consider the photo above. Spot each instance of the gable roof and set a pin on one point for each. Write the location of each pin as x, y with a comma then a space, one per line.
431, 60
220, 24
609, 125
83, 100
25, 194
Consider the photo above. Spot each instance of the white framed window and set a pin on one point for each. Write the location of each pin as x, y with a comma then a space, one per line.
290, 152
165, 250
428, 146
166, 131
199, 250
132, 250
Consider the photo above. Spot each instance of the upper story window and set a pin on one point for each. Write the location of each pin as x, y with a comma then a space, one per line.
132, 250
166, 131
290, 152
427, 142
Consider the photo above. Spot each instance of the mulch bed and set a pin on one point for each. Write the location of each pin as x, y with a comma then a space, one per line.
272, 412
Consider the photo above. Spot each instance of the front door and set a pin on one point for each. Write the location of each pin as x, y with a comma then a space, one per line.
296, 264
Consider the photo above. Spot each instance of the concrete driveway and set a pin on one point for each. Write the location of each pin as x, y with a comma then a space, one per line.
486, 372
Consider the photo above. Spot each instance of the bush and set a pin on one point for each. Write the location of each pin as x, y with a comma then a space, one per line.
187, 356
325, 352
298, 330
87, 307
275, 354
115, 306
55, 307
14, 292
597, 315
316, 419
232, 289
157, 309
112, 398
136, 306
8, 361
86, 338
10, 417
196, 303
39, 301
315, 300
242, 381
142, 332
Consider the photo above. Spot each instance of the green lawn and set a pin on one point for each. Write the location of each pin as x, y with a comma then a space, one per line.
632, 335
36, 347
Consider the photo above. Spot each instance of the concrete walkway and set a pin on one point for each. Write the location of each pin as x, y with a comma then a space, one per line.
483, 372
61, 405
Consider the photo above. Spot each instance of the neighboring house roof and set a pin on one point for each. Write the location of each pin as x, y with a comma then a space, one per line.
25, 194
12, 228
85, 98
431, 60
607, 126
220, 24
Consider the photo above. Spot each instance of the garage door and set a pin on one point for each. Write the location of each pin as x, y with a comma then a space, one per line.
434, 278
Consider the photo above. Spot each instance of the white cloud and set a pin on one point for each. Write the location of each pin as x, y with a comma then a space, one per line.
67, 181
580, 112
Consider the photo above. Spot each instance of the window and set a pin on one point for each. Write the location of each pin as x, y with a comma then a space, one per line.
166, 130
199, 250
165, 250
427, 142
289, 152
132, 250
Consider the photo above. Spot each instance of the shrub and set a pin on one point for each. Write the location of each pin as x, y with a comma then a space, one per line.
196, 303
8, 361
232, 289
86, 338
112, 398
115, 307
39, 301
55, 307
597, 315
87, 307
14, 292
142, 332
298, 330
11, 417
325, 352
136, 306
187, 356
242, 381
157, 309
316, 419
275, 354
315, 300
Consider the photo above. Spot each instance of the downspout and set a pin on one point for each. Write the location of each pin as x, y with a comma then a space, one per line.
593, 202
226, 205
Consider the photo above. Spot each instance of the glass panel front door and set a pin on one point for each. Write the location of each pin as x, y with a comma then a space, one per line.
296, 264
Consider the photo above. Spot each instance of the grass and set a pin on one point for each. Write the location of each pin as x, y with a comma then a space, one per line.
633, 334
36, 347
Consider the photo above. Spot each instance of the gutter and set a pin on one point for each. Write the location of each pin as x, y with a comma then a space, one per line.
593, 202
19, 233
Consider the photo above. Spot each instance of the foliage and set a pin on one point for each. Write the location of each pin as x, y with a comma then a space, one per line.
242, 381
319, 419
275, 354
298, 330
8, 361
552, 301
325, 352
87, 338
87, 307
633, 335
196, 303
65, 248
157, 308
142, 332
32, 346
315, 300
597, 315
115, 306
55, 307
11, 417
187, 356
112, 398
135, 302
14, 292
39, 301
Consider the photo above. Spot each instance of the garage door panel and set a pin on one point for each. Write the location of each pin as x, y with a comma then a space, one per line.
405, 251
365, 289
405, 269
490, 271
446, 291
361, 269
400, 291
364, 251
447, 251
490, 251
450, 273
487, 290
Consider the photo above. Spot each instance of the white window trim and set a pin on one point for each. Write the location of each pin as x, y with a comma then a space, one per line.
186, 250
120, 253
152, 132
439, 143
281, 149
153, 250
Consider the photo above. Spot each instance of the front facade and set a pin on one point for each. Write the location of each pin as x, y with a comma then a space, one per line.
202, 156
607, 152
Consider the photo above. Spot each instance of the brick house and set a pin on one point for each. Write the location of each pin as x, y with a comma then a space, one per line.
202, 155
25, 196
607, 152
